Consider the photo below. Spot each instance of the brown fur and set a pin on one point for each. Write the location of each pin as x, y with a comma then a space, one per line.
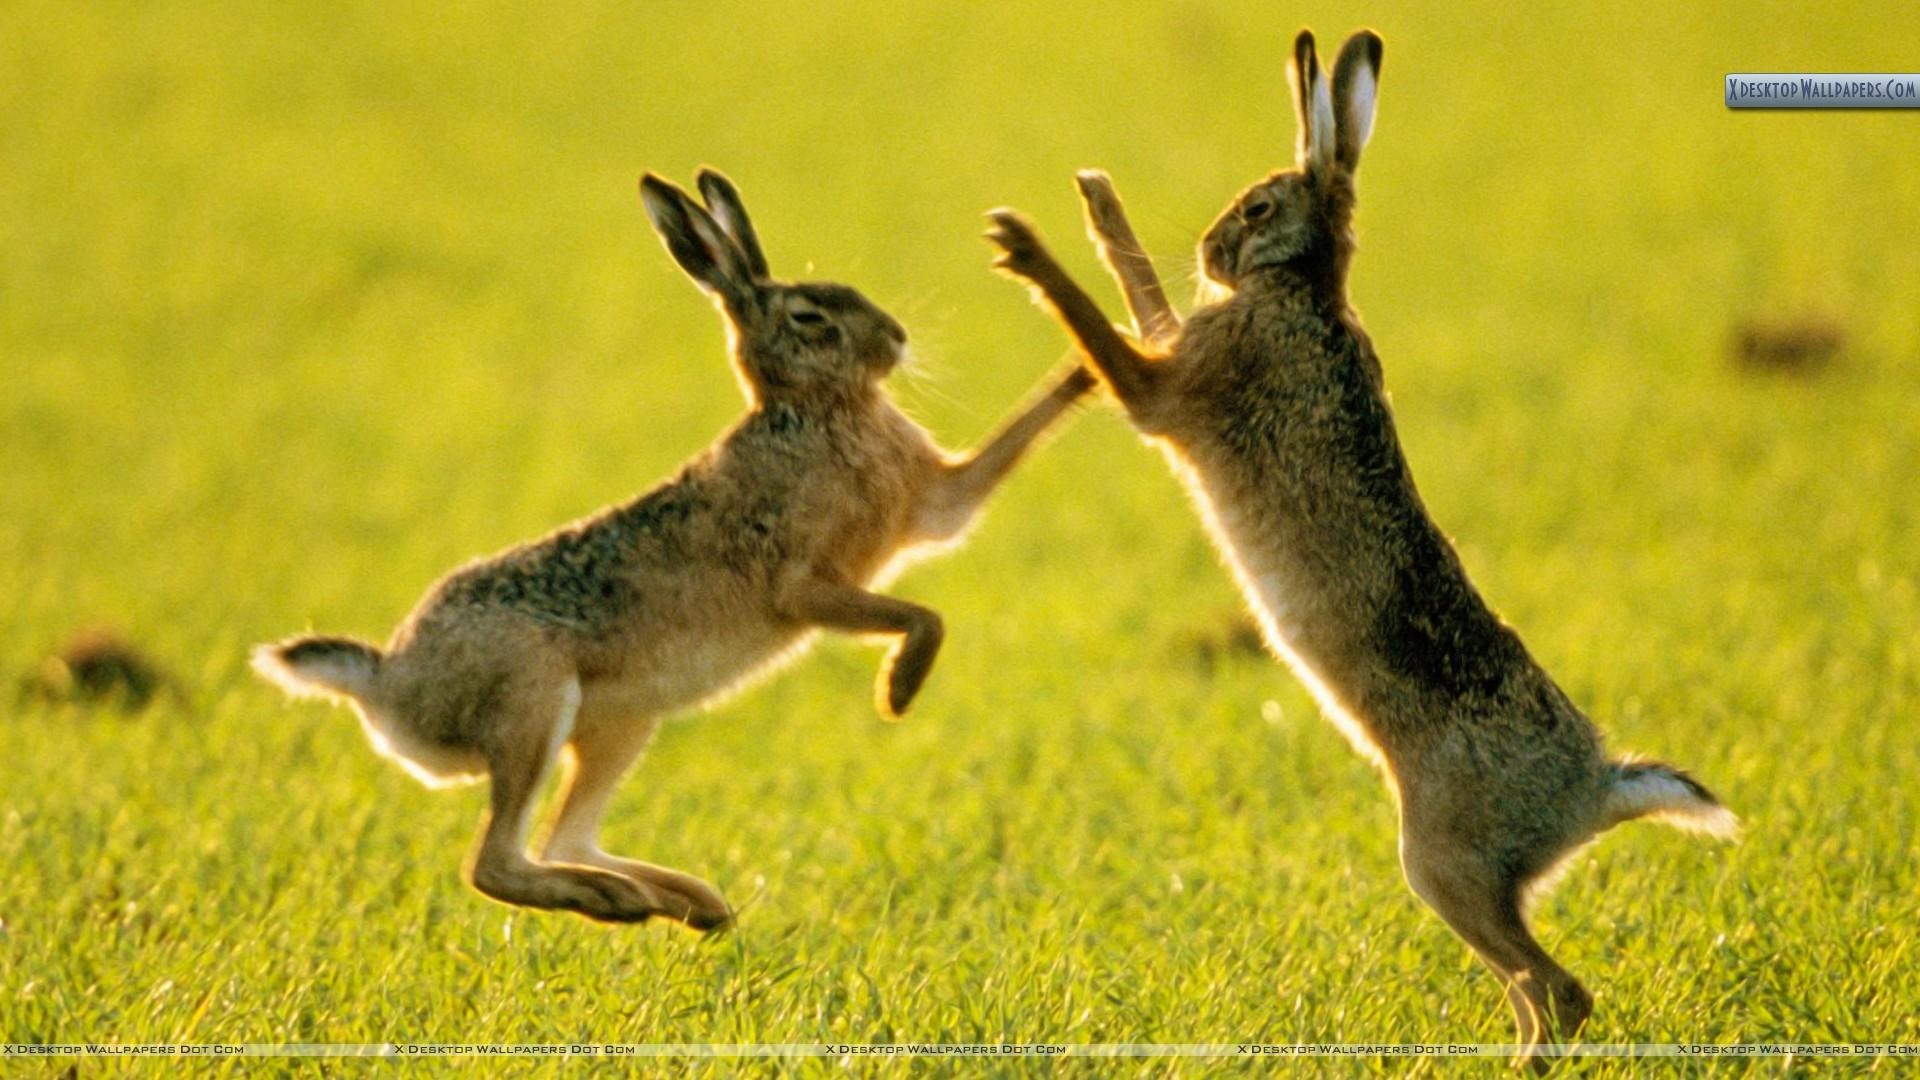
1271, 405
568, 649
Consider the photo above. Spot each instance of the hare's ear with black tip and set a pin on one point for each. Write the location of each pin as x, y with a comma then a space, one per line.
723, 199
697, 242
1356, 86
1312, 104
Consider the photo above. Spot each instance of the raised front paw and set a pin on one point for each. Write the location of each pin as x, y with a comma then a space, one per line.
1021, 252
1104, 212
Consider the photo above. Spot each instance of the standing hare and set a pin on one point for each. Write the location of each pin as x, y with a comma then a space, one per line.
1270, 405
573, 646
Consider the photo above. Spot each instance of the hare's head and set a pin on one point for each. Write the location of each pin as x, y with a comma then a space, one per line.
786, 338
1301, 217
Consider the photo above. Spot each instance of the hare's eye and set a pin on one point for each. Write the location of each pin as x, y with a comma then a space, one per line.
807, 317
1255, 209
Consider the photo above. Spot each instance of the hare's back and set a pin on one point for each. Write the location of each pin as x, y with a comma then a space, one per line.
583, 577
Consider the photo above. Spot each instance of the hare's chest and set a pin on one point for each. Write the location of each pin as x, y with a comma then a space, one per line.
863, 510
1277, 402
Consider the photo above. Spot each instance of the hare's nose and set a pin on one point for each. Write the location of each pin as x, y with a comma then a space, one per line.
894, 330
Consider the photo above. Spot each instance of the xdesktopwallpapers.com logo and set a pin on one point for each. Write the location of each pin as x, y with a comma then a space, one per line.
1822, 91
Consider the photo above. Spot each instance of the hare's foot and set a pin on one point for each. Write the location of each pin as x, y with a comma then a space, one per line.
682, 897
595, 760
597, 894
533, 714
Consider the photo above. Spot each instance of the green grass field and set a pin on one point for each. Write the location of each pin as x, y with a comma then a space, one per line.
298, 309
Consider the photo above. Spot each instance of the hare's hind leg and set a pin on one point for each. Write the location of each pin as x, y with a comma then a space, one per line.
595, 761
1482, 905
532, 717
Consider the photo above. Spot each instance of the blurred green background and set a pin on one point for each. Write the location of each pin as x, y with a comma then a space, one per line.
301, 305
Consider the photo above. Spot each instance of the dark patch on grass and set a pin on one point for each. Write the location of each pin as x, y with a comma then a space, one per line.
1802, 346
98, 667
1227, 639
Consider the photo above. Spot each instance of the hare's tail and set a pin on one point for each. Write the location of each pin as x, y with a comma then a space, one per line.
1653, 789
319, 666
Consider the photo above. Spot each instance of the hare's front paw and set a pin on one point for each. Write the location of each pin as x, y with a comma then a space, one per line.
906, 668
1102, 202
1021, 252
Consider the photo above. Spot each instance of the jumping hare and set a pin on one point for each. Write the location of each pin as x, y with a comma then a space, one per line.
572, 647
1270, 405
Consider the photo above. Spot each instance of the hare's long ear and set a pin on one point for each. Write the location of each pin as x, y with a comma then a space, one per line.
697, 242
1356, 86
1312, 104
723, 199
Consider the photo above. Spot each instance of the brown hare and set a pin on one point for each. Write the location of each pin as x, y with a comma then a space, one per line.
570, 648
1270, 405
